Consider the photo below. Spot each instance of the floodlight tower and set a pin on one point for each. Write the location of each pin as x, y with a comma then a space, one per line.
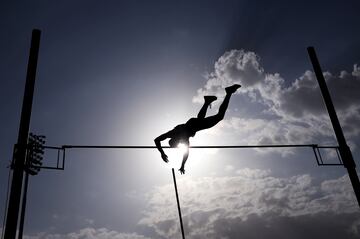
34, 157
19, 156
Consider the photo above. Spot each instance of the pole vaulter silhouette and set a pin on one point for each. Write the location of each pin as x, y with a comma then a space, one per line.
182, 132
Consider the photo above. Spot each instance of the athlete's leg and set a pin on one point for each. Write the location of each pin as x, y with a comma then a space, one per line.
209, 122
224, 105
207, 101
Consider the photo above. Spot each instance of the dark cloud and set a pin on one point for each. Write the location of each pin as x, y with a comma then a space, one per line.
303, 96
322, 225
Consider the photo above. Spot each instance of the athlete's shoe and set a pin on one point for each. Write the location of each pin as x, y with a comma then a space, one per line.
210, 98
232, 89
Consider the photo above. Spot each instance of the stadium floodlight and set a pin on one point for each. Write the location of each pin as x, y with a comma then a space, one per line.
34, 153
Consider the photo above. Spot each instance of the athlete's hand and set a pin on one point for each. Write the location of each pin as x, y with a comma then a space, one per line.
182, 170
165, 157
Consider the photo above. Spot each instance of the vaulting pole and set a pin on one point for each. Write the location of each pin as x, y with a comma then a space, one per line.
178, 204
344, 149
20, 151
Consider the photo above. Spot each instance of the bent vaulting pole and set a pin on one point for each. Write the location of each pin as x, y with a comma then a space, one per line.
20, 152
178, 204
344, 149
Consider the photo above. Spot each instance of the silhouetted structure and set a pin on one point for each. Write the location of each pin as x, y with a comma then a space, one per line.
20, 148
344, 149
181, 133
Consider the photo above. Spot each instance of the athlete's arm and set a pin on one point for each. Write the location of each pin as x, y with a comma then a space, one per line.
185, 157
158, 144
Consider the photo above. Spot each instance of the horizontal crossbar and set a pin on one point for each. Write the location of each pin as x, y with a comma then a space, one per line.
316, 149
195, 147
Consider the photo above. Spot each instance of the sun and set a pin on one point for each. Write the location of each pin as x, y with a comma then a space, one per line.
183, 148
197, 157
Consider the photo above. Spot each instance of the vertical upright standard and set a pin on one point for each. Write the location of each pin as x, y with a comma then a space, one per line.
23, 206
178, 204
344, 149
20, 151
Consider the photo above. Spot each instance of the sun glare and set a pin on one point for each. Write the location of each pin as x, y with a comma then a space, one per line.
183, 148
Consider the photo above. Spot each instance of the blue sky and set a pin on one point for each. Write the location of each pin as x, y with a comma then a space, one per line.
123, 72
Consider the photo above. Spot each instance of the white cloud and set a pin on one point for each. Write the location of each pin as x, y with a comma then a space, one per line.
253, 173
294, 113
235, 66
229, 168
210, 205
87, 233
89, 221
239, 66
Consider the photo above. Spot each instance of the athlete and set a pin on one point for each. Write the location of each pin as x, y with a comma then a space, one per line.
182, 132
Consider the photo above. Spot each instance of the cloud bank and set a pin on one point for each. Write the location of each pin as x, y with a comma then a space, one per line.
88, 233
255, 204
292, 112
